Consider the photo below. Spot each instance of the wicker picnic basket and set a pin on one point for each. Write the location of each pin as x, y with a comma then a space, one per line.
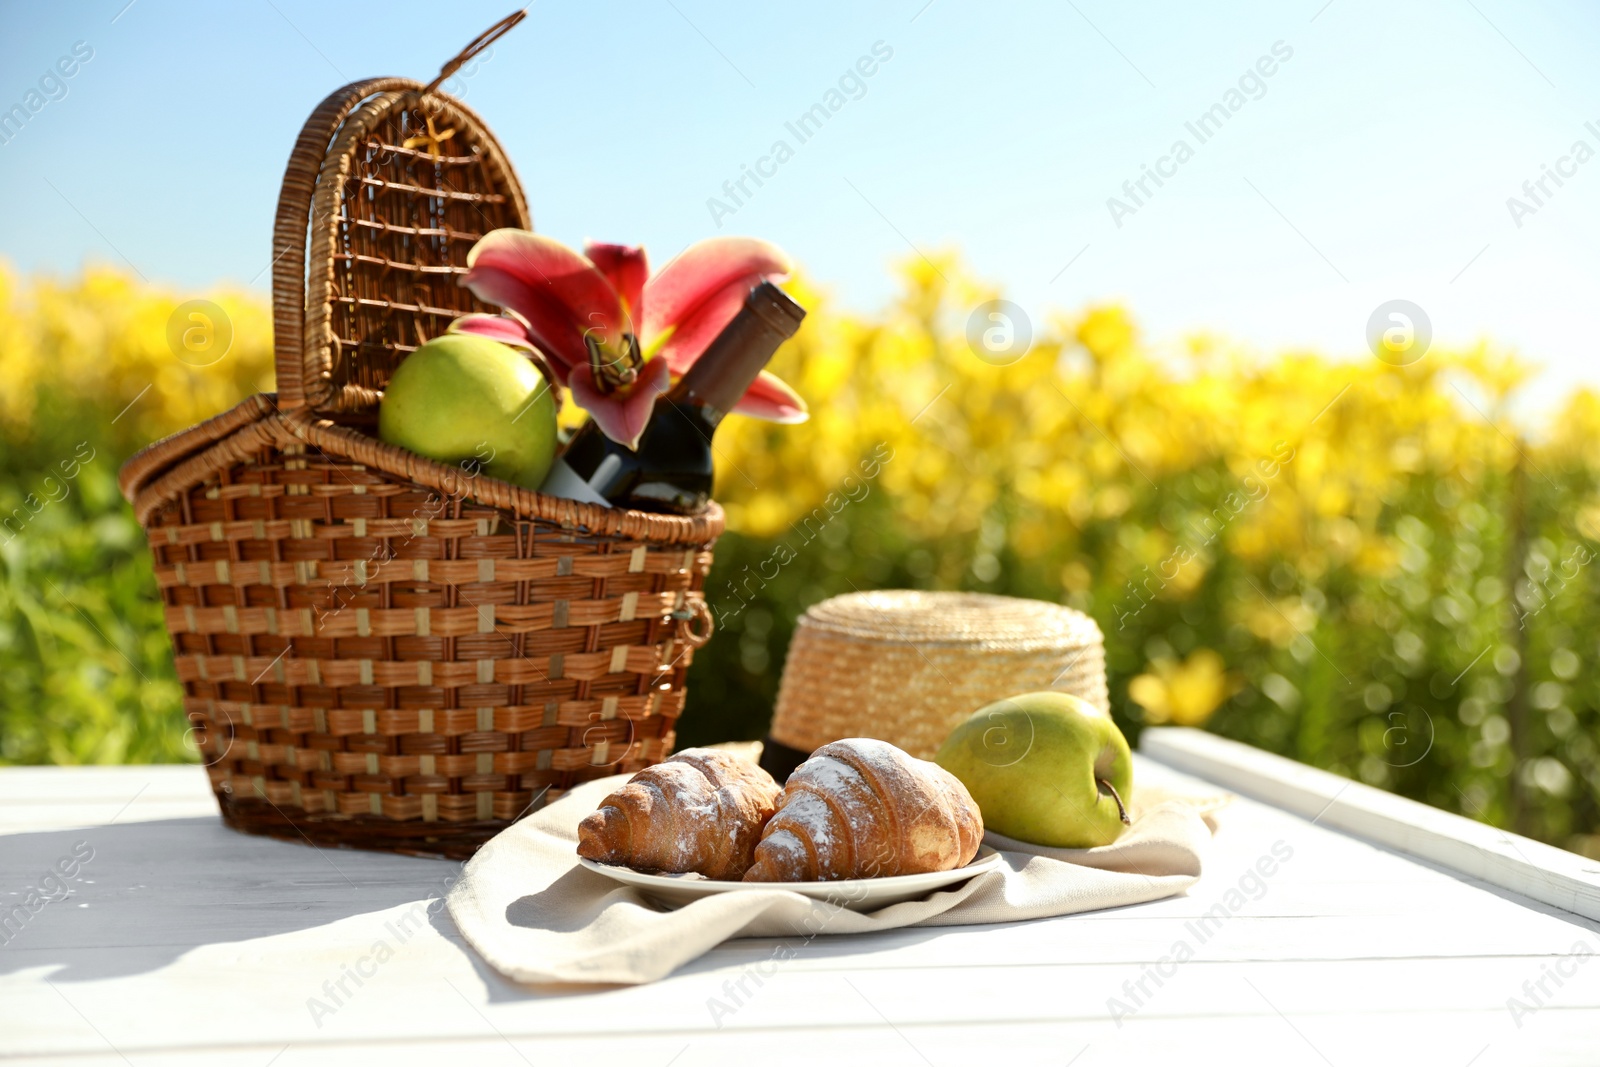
907, 667
378, 650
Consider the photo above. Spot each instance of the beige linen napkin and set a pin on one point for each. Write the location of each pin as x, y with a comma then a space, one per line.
536, 915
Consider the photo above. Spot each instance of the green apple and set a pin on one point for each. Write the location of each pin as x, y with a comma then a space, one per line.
469, 400
1047, 768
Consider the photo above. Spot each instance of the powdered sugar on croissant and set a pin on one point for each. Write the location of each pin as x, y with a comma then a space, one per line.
861, 808
700, 810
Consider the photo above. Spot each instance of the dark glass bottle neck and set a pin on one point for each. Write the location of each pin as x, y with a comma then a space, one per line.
735, 358
672, 469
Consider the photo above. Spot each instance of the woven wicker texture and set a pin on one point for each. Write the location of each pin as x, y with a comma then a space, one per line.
391, 229
377, 649
908, 667
354, 646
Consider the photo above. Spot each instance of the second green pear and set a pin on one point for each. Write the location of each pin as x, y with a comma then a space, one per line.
1047, 768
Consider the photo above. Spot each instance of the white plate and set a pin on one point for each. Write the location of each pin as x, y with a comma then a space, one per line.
857, 894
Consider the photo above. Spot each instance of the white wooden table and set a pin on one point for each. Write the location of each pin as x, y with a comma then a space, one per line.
184, 942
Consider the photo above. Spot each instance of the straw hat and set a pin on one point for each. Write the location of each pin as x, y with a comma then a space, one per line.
907, 666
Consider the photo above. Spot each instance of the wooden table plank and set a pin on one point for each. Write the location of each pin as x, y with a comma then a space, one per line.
200, 945
1531, 868
1423, 1039
46, 798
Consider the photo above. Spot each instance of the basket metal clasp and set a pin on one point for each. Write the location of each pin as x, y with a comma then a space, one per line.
694, 608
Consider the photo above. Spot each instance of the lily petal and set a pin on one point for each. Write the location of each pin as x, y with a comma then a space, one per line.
686, 340
502, 328
621, 415
626, 268
560, 293
770, 397
702, 271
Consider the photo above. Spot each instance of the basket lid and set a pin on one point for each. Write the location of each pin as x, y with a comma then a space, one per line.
389, 186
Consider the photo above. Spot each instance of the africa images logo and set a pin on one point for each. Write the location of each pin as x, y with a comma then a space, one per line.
52, 85
1203, 128
805, 126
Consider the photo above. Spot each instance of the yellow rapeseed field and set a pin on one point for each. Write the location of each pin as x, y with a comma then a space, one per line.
1368, 567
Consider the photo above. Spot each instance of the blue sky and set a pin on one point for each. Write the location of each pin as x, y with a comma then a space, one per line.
1374, 163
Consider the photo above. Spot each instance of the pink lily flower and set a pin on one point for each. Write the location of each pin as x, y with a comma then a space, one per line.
609, 331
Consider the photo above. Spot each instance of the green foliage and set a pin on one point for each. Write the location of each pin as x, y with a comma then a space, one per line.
85, 666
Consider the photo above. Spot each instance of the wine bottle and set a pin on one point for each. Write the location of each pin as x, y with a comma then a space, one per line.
671, 470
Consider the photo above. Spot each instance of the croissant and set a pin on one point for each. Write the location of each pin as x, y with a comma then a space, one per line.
860, 808
701, 810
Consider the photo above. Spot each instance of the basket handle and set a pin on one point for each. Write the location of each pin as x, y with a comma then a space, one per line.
295, 365
298, 367
477, 44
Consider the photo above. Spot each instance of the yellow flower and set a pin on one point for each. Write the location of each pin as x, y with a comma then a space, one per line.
1183, 693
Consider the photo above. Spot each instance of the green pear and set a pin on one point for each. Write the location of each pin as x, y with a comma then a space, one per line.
468, 400
1047, 768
